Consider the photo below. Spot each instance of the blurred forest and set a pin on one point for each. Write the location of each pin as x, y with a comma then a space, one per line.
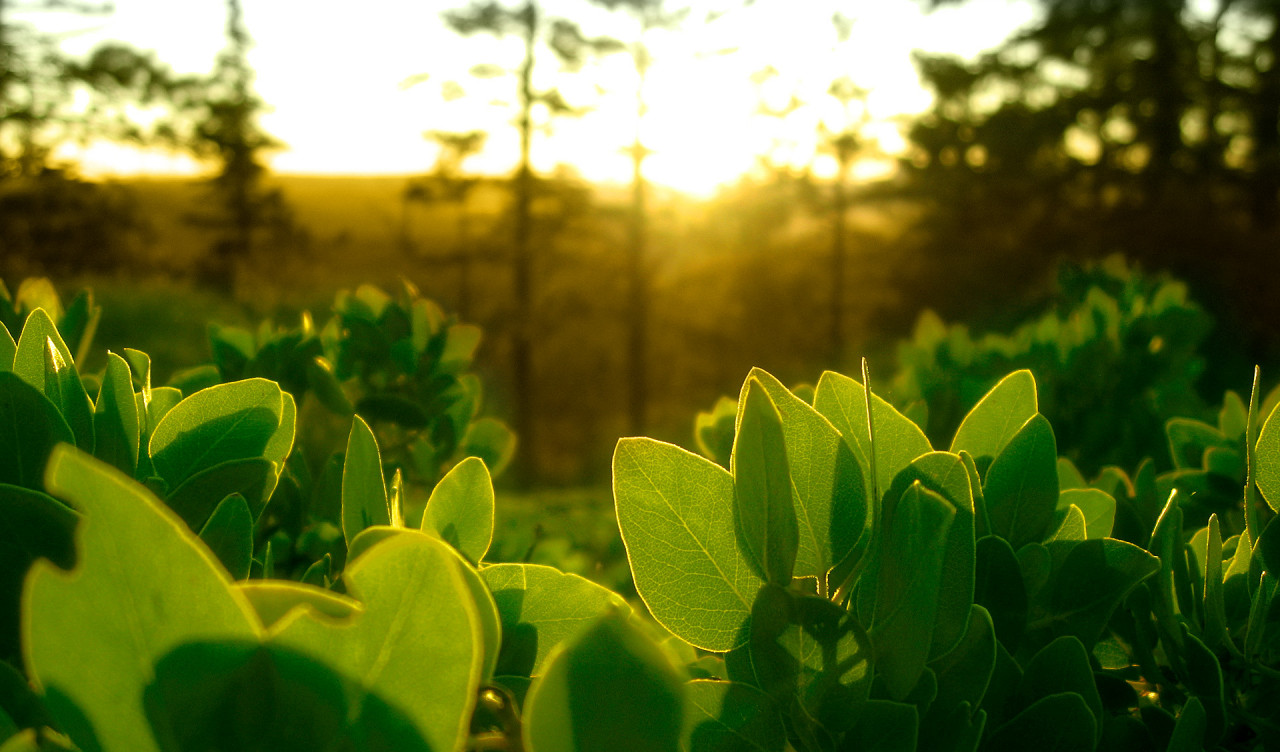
1140, 129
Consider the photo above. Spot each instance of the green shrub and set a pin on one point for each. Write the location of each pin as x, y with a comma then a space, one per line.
841, 584
1116, 358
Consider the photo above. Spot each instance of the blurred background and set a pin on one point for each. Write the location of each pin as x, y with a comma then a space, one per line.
638, 200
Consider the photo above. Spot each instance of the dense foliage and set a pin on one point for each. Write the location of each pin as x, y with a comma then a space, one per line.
1117, 355
839, 582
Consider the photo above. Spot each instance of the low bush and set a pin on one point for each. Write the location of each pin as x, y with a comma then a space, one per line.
840, 582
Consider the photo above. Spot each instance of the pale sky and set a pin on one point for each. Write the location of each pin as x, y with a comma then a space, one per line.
333, 77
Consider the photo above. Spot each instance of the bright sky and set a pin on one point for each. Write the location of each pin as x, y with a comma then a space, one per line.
333, 76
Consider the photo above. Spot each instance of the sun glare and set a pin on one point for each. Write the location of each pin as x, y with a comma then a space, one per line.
337, 101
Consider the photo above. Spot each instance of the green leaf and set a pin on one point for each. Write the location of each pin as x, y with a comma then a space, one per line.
1062, 666
229, 535
227, 422
492, 441
145, 584
33, 344
245, 696
327, 388
810, 649
886, 726
999, 588
1097, 507
1258, 609
675, 513
274, 599
1268, 546
63, 387
726, 716
460, 509
200, 494
963, 673
32, 526
191, 380
1021, 488
79, 324
1188, 439
1188, 732
392, 408
1094, 578
320, 573
1057, 723
945, 474
1204, 679
981, 520
486, 607
30, 427
162, 400
1071, 529
827, 483
117, 433
383, 650
911, 557
281, 442
38, 292
540, 608
610, 684
1215, 615
8, 348
1264, 461
461, 341
898, 441
997, 418
764, 512
364, 491
1069, 476
713, 431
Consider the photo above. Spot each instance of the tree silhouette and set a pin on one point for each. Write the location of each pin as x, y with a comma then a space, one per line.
537, 33
50, 220
1150, 128
448, 183
227, 131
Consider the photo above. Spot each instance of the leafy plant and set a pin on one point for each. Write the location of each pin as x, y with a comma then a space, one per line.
840, 585
400, 363
1115, 340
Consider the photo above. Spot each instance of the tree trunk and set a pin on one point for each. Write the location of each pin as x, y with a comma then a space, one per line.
522, 263
637, 272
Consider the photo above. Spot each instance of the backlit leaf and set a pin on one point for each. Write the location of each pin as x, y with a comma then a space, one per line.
828, 483
383, 648
911, 557
997, 418
608, 685
460, 509
229, 535
1097, 508
30, 426
675, 513
724, 716
540, 608
898, 441
1057, 723
63, 387
1095, 577
273, 599
117, 433
126, 539
33, 525
1021, 488
364, 491
764, 513
227, 422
